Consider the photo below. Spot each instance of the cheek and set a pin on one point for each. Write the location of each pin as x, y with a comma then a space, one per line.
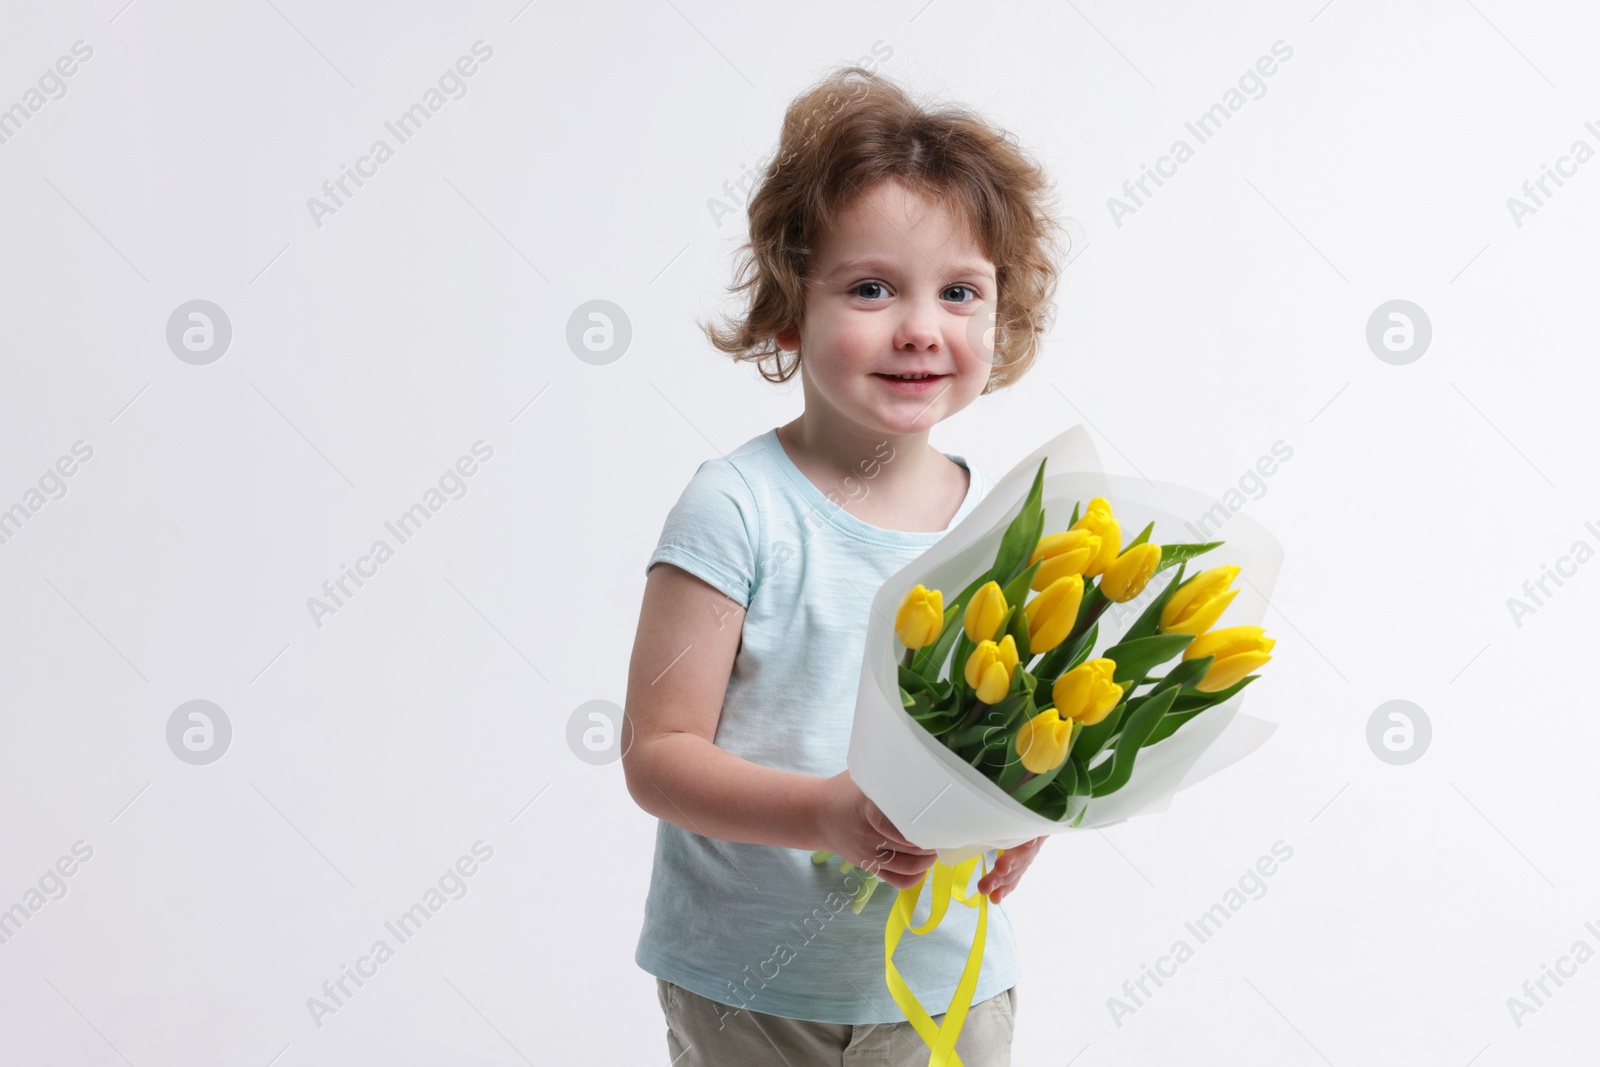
854, 346
976, 366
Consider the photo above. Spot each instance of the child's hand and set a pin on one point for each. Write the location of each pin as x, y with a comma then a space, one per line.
998, 883
855, 828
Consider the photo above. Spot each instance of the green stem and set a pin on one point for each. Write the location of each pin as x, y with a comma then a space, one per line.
978, 708
911, 654
1089, 618
1022, 781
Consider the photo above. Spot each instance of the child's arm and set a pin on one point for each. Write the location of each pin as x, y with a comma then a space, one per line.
683, 654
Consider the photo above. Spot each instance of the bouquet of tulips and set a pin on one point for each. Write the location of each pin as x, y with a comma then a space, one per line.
989, 720
1007, 682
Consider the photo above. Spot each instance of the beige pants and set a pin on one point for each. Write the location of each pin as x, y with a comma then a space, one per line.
698, 1035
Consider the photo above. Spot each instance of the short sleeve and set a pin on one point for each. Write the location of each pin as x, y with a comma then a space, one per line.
712, 532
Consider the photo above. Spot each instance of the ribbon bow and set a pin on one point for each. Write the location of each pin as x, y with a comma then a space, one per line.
948, 883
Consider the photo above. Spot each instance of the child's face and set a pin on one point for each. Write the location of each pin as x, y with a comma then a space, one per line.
898, 288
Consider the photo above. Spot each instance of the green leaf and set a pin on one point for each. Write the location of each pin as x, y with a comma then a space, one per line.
1021, 538
1191, 700
958, 660
1141, 539
1185, 674
1084, 648
1114, 773
1171, 554
1082, 787
1016, 624
1016, 590
910, 679
1190, 703
993, 720
925, 710
1010, 773
1093, 598
1054, 800
1169, 725
1135, 658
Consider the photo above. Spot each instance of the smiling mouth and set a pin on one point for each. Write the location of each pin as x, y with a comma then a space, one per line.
911, 378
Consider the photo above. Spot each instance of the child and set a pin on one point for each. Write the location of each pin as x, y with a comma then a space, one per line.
886, 241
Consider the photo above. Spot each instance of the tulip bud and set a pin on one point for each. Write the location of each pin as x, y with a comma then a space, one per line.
1052, 613
1099, 521
1238, 651
920, 618
985, 611
1063, 554
1087, 693
1044, 741
990, 667
1129, 573
1195, 606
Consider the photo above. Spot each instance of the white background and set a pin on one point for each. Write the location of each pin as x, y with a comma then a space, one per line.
430, 312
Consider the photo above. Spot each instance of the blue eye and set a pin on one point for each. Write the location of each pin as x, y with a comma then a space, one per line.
973, 294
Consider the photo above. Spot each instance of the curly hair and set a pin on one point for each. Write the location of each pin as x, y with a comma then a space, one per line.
852, 130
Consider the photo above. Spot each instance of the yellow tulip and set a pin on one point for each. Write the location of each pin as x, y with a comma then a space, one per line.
920, 618
1196, 605
990, 667
1044, 741
1087, 693
985, 611
1053, 612
1099, 521
1238, 651
1127, 576
1063, 554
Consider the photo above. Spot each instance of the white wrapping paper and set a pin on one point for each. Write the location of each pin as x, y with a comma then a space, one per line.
934, 797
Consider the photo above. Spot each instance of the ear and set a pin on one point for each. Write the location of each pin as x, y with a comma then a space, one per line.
788, 339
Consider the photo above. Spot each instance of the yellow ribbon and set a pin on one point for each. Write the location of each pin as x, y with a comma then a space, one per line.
948, 883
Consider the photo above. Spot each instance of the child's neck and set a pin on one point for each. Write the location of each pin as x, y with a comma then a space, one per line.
896, 482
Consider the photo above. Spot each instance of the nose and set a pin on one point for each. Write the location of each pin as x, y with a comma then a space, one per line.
918, 330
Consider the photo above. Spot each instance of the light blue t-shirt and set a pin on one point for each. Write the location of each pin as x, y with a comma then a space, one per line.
752, 925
